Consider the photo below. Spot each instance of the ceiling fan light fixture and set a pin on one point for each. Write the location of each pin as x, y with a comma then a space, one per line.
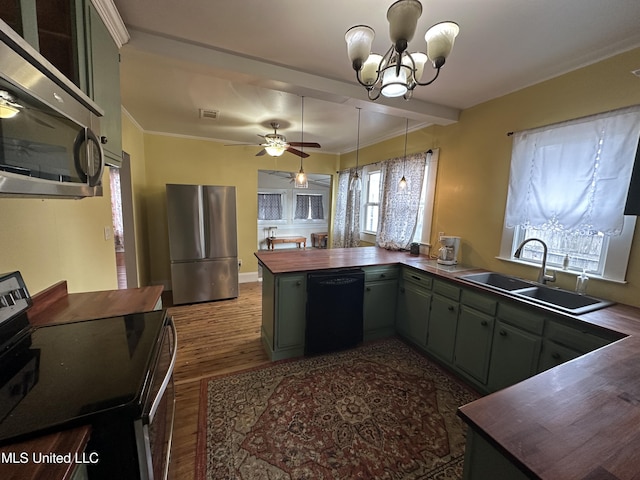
275, 150
397, 72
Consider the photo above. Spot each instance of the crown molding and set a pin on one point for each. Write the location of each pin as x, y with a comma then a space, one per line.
112, 20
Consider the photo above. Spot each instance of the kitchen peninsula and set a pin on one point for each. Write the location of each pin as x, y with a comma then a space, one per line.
572, 417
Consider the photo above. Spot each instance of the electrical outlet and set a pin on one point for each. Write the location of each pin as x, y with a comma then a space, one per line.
239, 263
440, 234
107, 233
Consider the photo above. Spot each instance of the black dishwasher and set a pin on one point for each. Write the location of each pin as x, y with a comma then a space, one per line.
334, 318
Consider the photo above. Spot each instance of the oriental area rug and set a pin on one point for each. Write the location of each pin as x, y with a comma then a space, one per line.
380, 411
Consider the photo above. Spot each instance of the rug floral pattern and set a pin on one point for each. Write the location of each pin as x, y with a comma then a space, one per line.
381, 411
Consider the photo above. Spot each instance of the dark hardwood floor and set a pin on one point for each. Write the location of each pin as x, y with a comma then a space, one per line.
213, 338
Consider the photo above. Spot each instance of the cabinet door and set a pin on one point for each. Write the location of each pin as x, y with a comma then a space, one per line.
514, 357
473, 343
379, 308
291, 311
554, 354
413, 313
105, 85
443, 322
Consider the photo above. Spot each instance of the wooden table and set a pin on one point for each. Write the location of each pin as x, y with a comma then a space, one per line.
271, 241
319, 239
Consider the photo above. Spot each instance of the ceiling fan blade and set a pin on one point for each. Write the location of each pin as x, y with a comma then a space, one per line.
305, 144
261, 152
243, 145
297, 152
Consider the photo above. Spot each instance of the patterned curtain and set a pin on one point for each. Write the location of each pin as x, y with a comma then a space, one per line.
302, 207
116, 208
399, 211
346, 224
269, 206
315, 205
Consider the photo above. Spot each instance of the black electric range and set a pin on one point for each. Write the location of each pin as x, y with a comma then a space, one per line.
114, 374
67, 374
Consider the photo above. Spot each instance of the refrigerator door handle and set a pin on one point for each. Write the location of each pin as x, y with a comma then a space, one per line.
203, 209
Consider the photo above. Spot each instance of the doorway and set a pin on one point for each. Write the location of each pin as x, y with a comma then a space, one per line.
123, 224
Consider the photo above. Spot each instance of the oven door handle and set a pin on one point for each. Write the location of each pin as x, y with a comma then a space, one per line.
167, 378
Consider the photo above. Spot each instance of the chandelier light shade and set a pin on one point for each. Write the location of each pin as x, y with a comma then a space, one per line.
398, 72
301, 177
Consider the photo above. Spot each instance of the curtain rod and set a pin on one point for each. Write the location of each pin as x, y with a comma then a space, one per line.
631, 107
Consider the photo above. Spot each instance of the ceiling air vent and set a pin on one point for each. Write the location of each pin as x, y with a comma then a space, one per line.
209, 114
636, 72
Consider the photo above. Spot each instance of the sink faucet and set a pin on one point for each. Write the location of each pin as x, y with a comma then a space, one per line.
542, 276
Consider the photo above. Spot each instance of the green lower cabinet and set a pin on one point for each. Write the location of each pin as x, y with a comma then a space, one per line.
412, 313
379, 309
473, 344
482, 461
514, 356
443, 323
290, 314
554, 354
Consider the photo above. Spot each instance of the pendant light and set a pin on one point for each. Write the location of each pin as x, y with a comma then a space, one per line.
356, 182
301, 177
403, 186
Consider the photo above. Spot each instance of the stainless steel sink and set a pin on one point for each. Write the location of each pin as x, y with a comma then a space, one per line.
498, 280
563, 299
551, 297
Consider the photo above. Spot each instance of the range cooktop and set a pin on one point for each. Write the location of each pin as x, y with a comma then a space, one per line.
62, 375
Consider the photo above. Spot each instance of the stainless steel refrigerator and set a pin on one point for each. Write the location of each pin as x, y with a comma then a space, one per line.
203, 243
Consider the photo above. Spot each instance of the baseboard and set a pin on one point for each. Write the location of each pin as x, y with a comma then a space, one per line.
248, 277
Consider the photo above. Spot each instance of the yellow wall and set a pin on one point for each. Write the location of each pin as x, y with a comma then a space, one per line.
194, 161
52, 240
475, 155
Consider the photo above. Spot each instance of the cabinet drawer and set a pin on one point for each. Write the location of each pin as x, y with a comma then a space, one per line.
374, 274
528, 320
446, 289
416, 277
578, 339
483, 303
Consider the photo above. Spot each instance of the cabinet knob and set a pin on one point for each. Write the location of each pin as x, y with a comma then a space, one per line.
382, 275
299, 282
368, 289
103, 140
451, 308
503, 333
401, 289
555, 356
484, 323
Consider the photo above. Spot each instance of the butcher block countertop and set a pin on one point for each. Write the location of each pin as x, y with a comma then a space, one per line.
56, 305
580, 420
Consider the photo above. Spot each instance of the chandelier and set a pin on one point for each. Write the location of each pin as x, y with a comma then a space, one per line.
398, 72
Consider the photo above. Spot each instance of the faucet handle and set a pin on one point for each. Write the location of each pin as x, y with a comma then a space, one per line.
549, 278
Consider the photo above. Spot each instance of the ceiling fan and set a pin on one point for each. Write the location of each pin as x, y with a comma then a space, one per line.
276, 144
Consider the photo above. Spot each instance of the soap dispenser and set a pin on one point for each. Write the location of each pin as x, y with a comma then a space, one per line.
581, 282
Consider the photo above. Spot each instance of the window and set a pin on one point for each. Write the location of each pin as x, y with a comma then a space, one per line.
270, 206
371, 203
309, 207
567, 187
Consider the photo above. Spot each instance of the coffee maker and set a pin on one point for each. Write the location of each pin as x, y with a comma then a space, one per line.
448, 253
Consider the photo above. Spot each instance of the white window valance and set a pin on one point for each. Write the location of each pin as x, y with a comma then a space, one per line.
574, 176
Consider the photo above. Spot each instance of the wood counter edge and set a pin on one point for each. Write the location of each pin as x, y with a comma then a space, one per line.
73, 441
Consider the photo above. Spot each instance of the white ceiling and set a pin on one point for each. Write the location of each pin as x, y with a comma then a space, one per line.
252, 60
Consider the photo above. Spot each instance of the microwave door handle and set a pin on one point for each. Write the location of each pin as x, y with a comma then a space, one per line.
167, 378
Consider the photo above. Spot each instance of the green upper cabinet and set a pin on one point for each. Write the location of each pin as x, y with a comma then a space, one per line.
71, 35
104, 84
52, 27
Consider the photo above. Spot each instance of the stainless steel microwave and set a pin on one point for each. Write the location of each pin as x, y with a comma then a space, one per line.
49, 129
